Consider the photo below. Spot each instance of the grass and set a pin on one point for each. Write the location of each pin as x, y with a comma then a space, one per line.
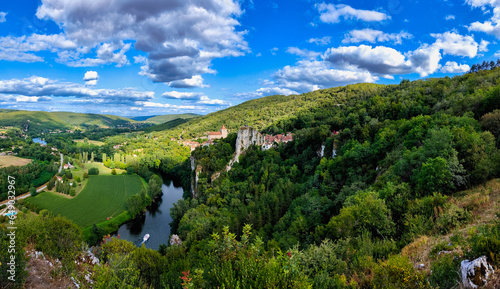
93, 142
104, 196
102, 169
6, 161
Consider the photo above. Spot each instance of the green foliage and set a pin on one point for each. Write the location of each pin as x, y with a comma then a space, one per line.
445, 272
364, 211
93, 171
113, 172
397, 273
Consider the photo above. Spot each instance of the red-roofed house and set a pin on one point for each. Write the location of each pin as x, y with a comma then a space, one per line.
217, 134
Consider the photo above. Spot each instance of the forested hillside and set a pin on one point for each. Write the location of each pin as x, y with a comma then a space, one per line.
39, 121
411, 174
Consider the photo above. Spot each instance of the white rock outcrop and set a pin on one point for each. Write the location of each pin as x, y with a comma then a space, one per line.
175, 240
475, 273
247, 136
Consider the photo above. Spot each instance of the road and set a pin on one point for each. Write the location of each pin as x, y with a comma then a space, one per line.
60, 167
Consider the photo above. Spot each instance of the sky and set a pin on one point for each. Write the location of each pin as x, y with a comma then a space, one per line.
152, 57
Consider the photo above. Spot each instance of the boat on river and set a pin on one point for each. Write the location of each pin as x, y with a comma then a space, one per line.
145, 238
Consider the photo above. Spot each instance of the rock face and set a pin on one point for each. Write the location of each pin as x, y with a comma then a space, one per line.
321, 152
247, 136
475, 273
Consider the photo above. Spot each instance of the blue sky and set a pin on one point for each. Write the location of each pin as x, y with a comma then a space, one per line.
149, 57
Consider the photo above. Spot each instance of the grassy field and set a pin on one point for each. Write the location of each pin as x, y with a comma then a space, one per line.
104, 196
6, 161
102, 169
94, 142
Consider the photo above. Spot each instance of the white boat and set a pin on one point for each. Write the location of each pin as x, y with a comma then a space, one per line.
145, 238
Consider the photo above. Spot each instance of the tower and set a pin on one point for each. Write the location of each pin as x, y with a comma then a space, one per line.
223, 131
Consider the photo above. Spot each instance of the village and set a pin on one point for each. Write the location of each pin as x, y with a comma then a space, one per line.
269, 140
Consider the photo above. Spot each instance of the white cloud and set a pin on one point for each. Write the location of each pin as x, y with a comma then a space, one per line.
195, 81
370, 35
273, 50
19, 48
320, 41
330, 13
491, 26
453, 67
383, 60
36, 86
483, 45
180, 38
453, 43
91, 77
449, 17
183, 95
2, 17
303, 52
305, 76
195, 97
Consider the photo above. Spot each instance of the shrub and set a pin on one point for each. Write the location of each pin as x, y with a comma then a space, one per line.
78, 179
72, 193
85, 175
113, 171
397, 272
93, 171
444, 272
130, 170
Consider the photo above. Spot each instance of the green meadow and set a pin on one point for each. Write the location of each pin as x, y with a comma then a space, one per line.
104, 196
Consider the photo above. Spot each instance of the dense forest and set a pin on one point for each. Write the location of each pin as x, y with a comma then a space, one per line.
411, 174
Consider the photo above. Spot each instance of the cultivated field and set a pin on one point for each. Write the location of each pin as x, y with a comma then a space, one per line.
6, 161
103, 196
94, 142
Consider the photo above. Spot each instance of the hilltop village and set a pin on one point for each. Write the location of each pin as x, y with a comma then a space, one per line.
268, 140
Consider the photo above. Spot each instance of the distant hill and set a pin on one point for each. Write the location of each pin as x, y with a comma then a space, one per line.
34, 121
166, 118
142, 118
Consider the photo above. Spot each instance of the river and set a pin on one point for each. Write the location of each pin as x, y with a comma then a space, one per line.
156, 220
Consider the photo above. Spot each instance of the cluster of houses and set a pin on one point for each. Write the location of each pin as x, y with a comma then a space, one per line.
270, 140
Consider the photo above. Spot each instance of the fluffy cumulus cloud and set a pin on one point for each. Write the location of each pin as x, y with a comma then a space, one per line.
195, 81
3, 17
36, 86
491, 26
453, 43
91, 77
308, 75
483, 45
194, 97
371, 35
449, 17
180, 38
453, 67
331, 13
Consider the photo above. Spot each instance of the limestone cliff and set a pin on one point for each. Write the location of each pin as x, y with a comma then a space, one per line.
247, 136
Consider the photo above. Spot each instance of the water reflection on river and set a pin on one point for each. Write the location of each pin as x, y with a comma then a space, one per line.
155, 222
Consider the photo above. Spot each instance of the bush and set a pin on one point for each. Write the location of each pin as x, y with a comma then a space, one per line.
113, 171
93, 171
444, 272
72, 193
398, 272
85, 175
130, 170
78, 179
